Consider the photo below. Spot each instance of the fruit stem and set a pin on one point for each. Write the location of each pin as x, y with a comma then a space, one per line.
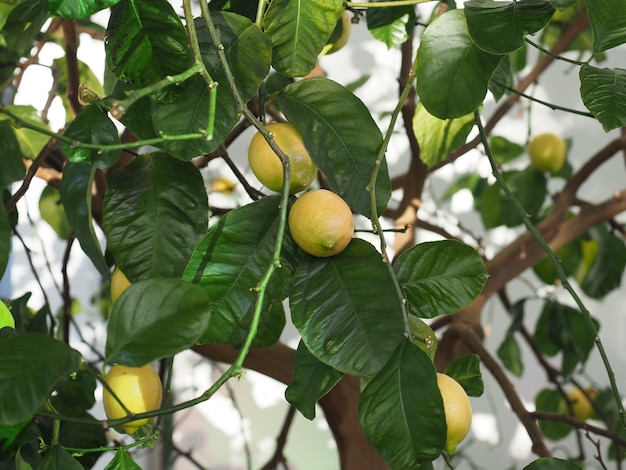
555, 261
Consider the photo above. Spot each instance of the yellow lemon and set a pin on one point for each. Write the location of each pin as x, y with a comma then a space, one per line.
119, 283
268, 168
321, 223
139, 388
581, 405
547, 152
458, 411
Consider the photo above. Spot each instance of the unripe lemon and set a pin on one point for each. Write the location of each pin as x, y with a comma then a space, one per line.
340, 35
321, 223
268, 168
581, 406
140, 390
458, 411
6, 318
119, 283
547, 152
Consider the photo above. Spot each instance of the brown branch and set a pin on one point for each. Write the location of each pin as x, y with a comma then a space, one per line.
281, 441
73, 78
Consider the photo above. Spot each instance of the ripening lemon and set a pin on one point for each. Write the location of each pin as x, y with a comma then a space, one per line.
268, 168
321, 223
140, 390
340, 35
119, 283
547, 152
458, 411
6, 318
581, 406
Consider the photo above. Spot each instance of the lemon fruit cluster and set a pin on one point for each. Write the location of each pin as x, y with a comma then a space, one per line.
268, 168
6, 318
119, 283
458, 411
547, 152
321, 223
582, 407
139, 388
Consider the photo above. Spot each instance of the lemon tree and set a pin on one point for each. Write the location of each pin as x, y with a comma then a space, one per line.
131, 390
384, 281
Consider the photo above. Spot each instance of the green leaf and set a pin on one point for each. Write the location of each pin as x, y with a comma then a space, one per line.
83, 436
229, 262
343, 141
92, 126
466, 371
440, 277
390, 25
73, 9
607, 269
53, 212
299, 30
146, 42
31, 142
563, 4
438, 137
563, 329
155, 211
500, 27
11, 165
59, 459
347, 310
23, 25
551, 463
86, 77
608, 23
75, 189
423, 336
312, 380
186, 109
401, 410
5, 239
122, 461
552, 401
569, 255
38, 364
76, 395
155, 318
8, 434
510, 354
504, 150
452, 72
603, 92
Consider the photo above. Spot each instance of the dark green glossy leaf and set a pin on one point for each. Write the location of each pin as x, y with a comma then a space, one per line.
312, 380
76, 395
563, 329
552, 401
8, 435
53, 212
438, 137
122, 461
603, 92
608, 23
83, 436
38, 364
343, 140
229, 262
5, 239
466, 371
146, 42
78, 9
31, 142
155, 318
503, 79
11, 165
92, 126
551, 463
607, 269
500, 27
452, 72
440, 277
570, 257
155, 211
347, 310
510, 354
23, 24
59, 459
401, 410
186, 110
299, 30
75, 189
390, 25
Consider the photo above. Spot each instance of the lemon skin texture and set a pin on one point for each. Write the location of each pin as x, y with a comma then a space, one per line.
547, 152
138, 387
268, 168
458, 411
321, 223
119, 283
581, 406
6, 319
